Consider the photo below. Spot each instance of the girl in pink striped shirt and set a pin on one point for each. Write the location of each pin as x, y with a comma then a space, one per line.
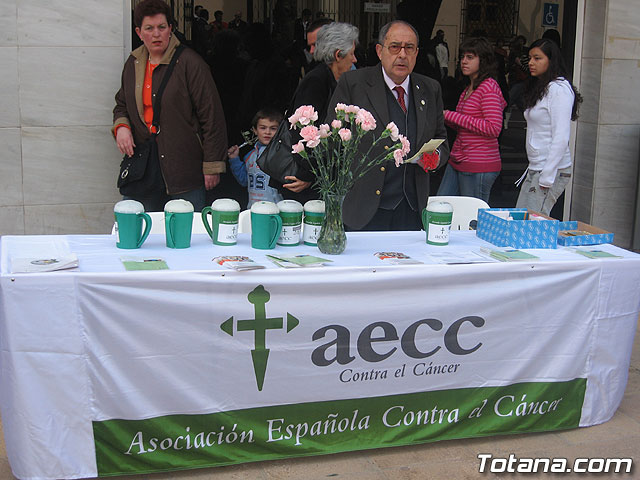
474, 162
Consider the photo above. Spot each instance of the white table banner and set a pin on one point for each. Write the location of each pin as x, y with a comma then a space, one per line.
260, 371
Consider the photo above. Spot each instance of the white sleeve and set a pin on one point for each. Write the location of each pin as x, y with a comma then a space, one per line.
560, 101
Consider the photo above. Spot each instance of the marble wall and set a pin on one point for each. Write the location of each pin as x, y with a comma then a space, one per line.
608, 134
61, 63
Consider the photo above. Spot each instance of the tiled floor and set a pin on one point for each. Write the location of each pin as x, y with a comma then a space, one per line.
455, 459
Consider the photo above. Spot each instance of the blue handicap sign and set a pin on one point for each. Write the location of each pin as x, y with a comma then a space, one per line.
550, 15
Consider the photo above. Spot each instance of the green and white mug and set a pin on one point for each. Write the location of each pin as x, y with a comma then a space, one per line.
223, 229
178, 221
436, 221
313, 217
266, 225
129, 215
291, 215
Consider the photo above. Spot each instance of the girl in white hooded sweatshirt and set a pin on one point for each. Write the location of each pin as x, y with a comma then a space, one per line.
551, 103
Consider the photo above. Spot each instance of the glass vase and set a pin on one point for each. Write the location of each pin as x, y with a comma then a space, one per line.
332, 239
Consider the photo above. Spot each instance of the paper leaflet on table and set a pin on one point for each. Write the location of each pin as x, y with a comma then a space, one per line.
141, 263
43, 264
297, 261
508, 255
428, 147
396, 258
594, 253
237, 262
460, 258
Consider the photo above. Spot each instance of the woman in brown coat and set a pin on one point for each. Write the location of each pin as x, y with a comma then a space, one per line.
192, 139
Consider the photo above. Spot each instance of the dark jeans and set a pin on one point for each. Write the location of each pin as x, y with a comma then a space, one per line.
156, 202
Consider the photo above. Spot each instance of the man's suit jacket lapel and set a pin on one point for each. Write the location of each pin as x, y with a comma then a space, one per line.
421, 104
377, 94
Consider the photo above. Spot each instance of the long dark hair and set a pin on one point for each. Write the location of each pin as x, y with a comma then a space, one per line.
480, 47
537, 87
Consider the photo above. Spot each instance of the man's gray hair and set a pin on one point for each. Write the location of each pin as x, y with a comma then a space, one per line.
384, 30
335, 37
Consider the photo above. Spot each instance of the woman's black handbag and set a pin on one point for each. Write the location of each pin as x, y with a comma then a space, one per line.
276, 160
140, 174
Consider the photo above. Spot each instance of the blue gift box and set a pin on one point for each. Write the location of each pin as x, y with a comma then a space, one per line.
597, 236
518, 232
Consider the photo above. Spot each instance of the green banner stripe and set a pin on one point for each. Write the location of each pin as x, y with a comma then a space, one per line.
192, 441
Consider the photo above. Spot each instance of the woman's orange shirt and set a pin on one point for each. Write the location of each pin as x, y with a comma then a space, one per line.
147, 99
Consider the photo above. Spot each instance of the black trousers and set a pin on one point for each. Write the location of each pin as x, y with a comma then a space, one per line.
401, 218
155, 203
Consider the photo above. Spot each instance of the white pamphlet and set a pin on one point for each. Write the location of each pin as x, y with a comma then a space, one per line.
43, 264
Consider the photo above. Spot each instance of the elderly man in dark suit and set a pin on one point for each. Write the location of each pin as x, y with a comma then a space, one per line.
389, 197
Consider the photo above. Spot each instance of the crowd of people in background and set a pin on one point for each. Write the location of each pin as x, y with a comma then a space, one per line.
259, 75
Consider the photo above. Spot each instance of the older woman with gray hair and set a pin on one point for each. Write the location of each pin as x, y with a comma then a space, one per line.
335, 50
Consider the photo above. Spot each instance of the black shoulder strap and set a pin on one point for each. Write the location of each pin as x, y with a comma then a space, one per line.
157, 104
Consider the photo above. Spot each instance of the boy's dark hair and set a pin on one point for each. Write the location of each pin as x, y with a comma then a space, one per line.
150, 8
267, 113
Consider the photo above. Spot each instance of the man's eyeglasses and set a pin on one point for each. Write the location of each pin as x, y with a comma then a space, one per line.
394, 48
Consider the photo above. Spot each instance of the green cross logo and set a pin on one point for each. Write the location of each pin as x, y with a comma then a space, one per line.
260, 324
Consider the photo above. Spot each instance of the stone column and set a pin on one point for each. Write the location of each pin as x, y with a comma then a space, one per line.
608, 133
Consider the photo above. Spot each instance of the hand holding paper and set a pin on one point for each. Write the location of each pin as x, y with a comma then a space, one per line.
427, 157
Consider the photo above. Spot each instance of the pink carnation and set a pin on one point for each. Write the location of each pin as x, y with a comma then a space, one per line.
304, 115
309, 132
393, 131
365, 120
298, 147
324, 130
311, 135
398, 156
406, 146
345, 134
336, 123
340, 107
352, 109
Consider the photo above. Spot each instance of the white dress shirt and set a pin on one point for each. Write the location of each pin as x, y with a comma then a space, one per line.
391, 84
